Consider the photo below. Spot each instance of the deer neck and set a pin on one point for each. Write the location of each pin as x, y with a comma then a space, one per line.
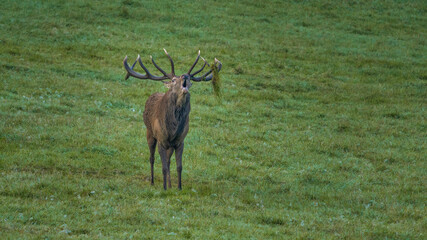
177, 109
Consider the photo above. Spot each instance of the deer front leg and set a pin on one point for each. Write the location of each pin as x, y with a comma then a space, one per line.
169, 153
165, 155
178, 156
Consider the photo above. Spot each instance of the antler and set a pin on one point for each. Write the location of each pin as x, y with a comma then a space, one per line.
207, 76
148, 75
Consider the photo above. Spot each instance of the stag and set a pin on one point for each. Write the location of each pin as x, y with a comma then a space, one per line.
166, 115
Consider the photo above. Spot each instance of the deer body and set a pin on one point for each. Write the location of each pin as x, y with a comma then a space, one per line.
165, 120
166, 115
167, 123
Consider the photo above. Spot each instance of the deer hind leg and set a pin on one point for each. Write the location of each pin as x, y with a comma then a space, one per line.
152, 142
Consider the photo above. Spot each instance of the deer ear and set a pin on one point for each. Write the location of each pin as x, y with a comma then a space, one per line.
167, 84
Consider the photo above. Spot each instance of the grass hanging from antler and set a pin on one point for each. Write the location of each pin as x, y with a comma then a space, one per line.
216, 81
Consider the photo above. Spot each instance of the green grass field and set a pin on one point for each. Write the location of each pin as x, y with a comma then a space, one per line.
320, 132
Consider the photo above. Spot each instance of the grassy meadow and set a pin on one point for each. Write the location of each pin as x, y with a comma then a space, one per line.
320, 132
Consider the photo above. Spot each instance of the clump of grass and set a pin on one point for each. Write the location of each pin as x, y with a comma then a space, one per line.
124, 12
216, 80
238, 70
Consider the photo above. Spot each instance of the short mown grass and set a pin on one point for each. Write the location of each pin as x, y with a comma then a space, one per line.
320, 132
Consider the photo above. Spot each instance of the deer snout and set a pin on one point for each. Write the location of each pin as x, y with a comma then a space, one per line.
185, 85
184, 88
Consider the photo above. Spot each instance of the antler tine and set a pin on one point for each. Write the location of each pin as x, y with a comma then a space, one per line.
159, 68
209, 75
148, 75
194, 64
201, 69
172, 66
143, 66
131, 72
127, 74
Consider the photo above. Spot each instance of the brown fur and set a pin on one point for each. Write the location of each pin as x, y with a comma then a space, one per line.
166, 117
